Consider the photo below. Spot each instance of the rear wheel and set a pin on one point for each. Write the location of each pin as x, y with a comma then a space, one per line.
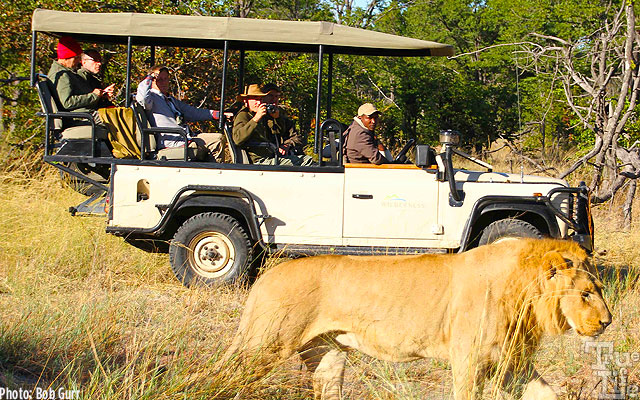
508, 228
210, 249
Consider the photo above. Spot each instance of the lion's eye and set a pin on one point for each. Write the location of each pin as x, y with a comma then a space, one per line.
585, 295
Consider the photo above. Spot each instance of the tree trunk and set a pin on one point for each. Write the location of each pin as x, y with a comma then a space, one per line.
628, 206
602, 98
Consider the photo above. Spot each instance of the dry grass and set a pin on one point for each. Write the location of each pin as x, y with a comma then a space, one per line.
84, 310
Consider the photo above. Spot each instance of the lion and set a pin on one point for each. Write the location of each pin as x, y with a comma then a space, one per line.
484, 310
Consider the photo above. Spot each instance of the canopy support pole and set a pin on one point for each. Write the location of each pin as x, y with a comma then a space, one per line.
316, 142
152, 57
128, 86
241, 72
225, 59
329, 84
34, 36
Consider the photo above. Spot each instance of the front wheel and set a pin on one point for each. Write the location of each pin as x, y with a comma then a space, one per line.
508, 228
210, 249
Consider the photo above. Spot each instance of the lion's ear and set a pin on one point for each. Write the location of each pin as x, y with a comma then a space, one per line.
552, 262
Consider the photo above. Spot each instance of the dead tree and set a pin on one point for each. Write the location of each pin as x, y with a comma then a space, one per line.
599, 74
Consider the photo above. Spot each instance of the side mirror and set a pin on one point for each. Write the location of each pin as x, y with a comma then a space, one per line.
425, 156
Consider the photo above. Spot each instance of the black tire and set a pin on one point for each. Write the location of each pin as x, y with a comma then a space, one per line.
506, 228
210, 249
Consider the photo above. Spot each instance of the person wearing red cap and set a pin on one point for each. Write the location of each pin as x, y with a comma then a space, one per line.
73, 92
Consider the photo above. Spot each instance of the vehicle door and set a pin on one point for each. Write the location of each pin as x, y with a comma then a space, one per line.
390, 205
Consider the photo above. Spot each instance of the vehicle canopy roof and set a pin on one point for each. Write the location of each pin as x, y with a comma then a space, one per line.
241, 33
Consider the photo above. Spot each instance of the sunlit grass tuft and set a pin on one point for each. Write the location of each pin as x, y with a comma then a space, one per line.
84, 310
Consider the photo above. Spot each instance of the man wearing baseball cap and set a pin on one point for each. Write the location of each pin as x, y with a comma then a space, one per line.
261, 121
360, 145
74, 93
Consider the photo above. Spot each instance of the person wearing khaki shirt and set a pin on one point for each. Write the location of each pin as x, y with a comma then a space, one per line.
360, 145
261, 122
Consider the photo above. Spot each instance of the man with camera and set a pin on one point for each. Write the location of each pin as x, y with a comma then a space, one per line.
164, 110
262, 128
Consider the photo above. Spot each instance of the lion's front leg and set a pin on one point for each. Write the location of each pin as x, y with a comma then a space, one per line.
538, 389
468, 378
326, 363
531, 385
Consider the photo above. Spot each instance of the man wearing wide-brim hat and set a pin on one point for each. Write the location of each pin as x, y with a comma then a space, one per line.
360, 145
262, 123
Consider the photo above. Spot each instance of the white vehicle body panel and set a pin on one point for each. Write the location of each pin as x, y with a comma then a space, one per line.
402, 204
381, 206
305, 207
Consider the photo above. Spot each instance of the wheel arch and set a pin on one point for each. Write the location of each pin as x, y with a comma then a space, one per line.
490, 209
231, 200
227, 204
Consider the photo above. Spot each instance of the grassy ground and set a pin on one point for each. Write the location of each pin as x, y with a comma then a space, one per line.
83, 310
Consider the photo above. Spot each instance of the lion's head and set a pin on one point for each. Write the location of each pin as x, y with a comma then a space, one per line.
569, 292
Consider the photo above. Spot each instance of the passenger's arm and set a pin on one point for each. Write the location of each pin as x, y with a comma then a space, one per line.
291, 136
143, 94
192, 113
243, 127
68, 100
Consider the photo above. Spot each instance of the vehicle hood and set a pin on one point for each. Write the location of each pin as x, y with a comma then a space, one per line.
503, 177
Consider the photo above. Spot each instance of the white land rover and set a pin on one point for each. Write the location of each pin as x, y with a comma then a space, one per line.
216, 219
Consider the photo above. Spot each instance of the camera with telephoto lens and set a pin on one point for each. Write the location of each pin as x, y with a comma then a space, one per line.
272, 108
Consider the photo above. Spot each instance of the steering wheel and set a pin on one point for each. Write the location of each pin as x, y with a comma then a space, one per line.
401, 158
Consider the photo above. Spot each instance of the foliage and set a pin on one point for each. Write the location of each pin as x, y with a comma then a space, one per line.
484, 91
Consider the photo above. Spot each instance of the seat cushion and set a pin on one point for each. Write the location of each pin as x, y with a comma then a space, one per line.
194, 152
84, 132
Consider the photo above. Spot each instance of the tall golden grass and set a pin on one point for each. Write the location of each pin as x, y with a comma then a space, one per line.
83, 310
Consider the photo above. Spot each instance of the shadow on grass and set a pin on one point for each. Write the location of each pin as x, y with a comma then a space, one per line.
618, 280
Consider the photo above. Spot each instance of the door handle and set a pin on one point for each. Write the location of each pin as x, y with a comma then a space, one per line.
362, 196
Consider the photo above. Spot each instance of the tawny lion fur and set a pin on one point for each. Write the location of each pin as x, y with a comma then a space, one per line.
484, 310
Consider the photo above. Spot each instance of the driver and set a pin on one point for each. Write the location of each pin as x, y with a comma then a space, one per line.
360, 143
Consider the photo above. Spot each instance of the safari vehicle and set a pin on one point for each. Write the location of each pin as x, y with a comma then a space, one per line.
215, 219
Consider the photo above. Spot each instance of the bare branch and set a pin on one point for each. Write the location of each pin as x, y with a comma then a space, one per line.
476, 52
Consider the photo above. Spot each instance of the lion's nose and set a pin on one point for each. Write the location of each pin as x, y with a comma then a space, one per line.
606, 322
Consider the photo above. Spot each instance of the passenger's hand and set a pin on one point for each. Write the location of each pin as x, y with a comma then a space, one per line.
260, 112
108, 91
